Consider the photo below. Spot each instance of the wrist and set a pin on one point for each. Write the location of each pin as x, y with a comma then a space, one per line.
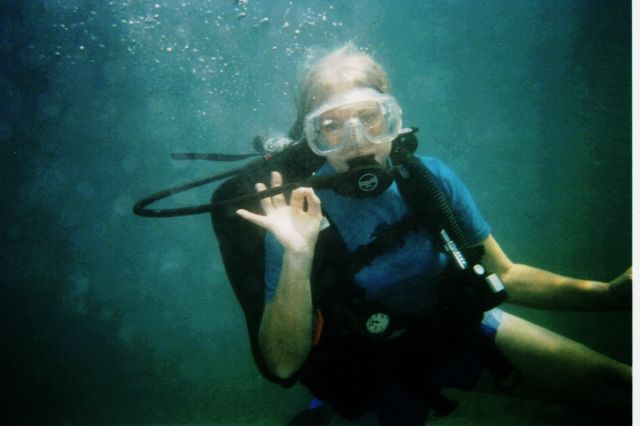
619, 294
298, 259
610, 296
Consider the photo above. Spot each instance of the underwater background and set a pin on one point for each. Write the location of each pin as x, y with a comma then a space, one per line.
106, 317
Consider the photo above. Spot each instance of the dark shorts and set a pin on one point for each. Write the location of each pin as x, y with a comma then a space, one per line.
462, 369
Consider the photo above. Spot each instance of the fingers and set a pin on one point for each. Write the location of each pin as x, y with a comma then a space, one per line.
252, 217
266, 203
276, 180
297, 198
302, 200
275, 201
313, 203
300, 195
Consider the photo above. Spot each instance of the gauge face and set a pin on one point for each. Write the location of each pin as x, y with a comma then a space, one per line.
378, 323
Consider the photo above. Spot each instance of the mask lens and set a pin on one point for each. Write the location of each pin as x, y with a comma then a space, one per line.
374, 116
371, 117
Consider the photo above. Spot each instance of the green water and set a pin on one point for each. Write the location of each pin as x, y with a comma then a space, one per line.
112, 318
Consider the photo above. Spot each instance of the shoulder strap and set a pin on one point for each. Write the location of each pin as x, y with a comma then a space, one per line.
331, 282
423, 195
334, 263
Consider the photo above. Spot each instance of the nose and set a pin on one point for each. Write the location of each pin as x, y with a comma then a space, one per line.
354, 133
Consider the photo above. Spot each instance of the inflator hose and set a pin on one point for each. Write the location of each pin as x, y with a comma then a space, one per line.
413, 178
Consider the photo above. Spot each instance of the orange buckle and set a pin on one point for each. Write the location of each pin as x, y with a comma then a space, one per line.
318, 325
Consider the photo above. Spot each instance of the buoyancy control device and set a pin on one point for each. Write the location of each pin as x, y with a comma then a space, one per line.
242, 243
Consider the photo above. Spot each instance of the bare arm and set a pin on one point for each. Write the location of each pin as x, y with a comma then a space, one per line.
286, 325
287, 321
537, 288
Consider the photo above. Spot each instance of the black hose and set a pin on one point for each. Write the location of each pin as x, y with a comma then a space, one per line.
419, 188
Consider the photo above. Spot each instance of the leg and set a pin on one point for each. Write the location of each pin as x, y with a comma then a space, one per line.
558, 369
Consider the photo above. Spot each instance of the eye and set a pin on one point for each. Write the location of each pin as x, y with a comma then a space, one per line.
329, 125
369, 117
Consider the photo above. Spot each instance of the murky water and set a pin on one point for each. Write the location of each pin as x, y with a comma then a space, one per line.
108, 317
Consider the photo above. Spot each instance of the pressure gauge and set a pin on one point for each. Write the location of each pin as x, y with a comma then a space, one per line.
377, 323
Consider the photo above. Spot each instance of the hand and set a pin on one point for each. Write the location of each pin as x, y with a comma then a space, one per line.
293, 225
620, 288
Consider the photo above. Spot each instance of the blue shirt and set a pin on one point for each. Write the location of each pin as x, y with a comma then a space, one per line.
405, 277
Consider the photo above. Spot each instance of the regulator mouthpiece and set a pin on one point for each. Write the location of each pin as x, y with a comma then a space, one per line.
365, 178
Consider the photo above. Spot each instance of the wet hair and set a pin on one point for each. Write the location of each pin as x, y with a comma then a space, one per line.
343, 68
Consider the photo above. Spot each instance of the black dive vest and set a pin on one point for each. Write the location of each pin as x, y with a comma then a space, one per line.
354, 358
349, 365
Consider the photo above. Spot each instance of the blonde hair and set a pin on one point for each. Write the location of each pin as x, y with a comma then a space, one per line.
344, 68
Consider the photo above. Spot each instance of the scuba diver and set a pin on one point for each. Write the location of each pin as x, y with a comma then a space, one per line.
378, 290
345, 112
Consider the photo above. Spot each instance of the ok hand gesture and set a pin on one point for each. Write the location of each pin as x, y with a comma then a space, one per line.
295, 224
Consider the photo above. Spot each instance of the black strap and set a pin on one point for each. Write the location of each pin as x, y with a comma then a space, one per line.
385, 238
422, 194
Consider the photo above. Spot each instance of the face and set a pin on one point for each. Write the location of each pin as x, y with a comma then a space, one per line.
357, 123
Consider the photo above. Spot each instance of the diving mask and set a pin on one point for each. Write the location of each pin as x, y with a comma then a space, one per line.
351, 119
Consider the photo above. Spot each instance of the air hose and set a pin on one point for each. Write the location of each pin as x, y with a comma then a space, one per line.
418, 186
